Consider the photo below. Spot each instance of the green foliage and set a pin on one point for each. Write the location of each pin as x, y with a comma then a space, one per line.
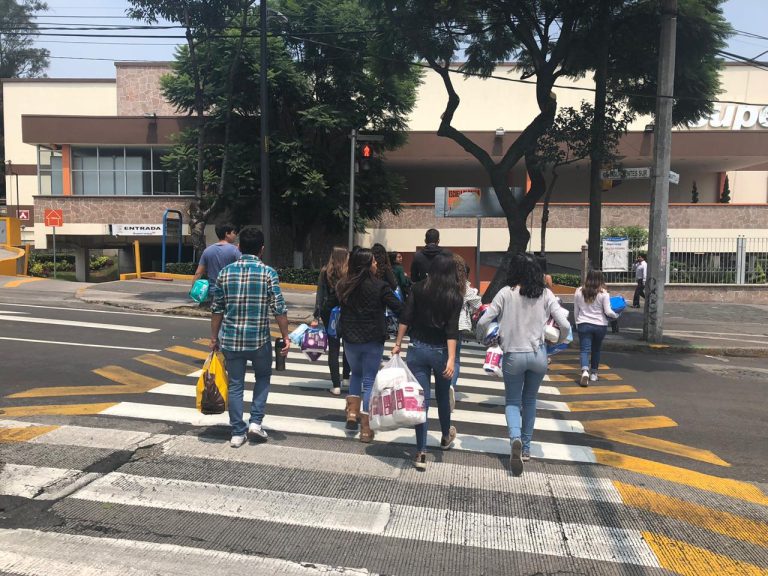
181, 268
694, 194
567, 279
759, 276
101, 262
305, 276
638, 236
699, 273
725, 197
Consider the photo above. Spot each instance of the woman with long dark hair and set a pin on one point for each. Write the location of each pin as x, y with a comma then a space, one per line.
591, 311
383, 266
470, 305
364, 298
432, 315
522, 308
325, 301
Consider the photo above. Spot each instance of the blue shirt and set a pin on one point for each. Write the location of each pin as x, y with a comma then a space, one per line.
246, 292
216, 256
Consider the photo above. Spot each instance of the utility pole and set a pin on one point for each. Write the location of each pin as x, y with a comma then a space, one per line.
264, 105
657, 246
353, 145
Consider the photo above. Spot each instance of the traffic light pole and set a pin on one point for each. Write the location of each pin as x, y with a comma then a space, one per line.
351, 239
266, 225
659, 213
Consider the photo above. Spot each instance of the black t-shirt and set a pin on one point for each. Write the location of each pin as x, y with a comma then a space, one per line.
418, 316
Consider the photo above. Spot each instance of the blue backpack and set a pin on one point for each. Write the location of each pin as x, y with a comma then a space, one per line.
333, 322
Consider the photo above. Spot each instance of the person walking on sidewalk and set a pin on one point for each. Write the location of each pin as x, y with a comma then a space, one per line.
640, 268
591, 311
422, 260
403, 282
471, 303
325, 301
432, 315
245, 293
522, 308
364, 299
218, 255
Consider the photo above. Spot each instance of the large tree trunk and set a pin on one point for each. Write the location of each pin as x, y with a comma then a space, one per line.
545, 212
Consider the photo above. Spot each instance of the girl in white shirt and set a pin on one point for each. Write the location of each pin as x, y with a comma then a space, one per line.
591, 310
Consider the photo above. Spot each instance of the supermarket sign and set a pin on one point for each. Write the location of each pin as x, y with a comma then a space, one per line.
136, 229
734, 117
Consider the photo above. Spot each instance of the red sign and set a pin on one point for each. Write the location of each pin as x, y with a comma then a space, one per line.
23, 215
54, 218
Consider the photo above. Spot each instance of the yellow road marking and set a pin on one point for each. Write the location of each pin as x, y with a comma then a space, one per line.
579, 391
589, 405
688, 560
17, 283
717, 521
56, 410
574, 367
203, 341
725, 486
129, 382
191, 352
559, 378
173, 366
24, 434
573, 377
620, 430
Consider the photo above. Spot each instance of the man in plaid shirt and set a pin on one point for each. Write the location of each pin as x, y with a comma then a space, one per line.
245, 293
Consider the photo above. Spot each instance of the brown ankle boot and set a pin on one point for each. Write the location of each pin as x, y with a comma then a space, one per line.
352, 412
366, 434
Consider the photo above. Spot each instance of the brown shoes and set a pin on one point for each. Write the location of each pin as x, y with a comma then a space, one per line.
366, 434
352, 412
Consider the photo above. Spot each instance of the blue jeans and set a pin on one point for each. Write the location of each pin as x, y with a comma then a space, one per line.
261, 359
424, 360
457, 364
590, 340
523, 373
364, 361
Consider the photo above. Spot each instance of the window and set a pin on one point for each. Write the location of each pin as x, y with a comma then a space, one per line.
109, 171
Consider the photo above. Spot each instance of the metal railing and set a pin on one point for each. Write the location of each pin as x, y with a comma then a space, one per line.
738, 260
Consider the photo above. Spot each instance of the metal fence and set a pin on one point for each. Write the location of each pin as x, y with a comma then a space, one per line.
738, 260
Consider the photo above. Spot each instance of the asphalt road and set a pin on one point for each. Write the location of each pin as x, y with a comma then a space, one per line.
658, 469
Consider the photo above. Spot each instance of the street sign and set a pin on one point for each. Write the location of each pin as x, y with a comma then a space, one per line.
626, 174
54, 218
674, 177
23, 215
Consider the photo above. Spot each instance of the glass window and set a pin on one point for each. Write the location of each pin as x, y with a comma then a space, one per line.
50, 171
138, 158
84, 158
165, 183
86, 183
111, 158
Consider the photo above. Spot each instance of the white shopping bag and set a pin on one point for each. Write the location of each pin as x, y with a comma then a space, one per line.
397, 400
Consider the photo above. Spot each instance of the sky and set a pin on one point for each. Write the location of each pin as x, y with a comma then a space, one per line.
73, 57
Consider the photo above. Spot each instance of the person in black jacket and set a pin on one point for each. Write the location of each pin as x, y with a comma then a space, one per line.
422, 260
325, 301
364, 298
432, 315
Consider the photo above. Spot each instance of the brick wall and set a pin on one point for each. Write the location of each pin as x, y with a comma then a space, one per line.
716, 216
138, 90
110, 210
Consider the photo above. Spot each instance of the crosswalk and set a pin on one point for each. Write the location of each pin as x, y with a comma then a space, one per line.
148, 485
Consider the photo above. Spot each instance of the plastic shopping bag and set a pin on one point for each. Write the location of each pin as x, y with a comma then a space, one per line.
555, 348
298, 334
493, 357
199, 291
618, 304
314, 343
211, 397
397, 399
333, 322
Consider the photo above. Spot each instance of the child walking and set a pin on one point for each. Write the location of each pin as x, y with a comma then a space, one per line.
591, 310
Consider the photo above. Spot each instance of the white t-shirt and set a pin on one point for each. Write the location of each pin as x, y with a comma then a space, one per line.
641, 270
596, 312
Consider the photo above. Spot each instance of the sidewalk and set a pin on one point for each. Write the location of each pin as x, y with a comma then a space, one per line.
695, 327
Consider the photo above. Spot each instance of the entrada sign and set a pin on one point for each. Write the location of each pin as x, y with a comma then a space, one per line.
734, 117
136, 229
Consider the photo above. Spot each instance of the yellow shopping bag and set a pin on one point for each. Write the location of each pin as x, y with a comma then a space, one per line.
212, 385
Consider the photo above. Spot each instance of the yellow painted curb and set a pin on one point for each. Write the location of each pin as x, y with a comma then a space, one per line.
24, 434
299, 287
17, 283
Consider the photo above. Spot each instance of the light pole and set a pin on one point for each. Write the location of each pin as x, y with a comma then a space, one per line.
264, 105
354, 138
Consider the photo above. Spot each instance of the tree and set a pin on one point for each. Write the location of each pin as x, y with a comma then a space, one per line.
321, 87
18, 56
694, 193
725, 196
570, 140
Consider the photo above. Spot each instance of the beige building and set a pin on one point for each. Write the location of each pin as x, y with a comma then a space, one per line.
91, 148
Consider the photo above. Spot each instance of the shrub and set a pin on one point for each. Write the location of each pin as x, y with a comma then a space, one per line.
305, 276
101, 262
573, 280
187, 268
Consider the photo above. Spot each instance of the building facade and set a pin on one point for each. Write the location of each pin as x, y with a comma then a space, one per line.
92, 149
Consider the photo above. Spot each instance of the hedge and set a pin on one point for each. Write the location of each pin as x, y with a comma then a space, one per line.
298, 275
567, 279
187, 268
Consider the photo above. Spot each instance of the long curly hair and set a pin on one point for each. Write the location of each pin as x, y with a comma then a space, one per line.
382, 259
358, 271
525, 272
441, 289
336, 267
461, 272
594, 283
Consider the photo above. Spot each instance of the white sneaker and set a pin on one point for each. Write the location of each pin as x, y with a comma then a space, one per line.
257, 433
584, 382
452, 397
593, 377
237, 441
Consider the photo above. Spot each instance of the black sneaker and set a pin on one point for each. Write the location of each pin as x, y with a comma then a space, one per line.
515, 457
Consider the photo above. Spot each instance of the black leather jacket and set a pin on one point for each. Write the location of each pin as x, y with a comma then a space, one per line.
362, 316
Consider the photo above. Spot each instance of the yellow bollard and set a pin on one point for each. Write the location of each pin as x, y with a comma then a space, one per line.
137, 257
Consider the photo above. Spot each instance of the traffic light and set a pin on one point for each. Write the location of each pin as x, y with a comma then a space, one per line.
365, 156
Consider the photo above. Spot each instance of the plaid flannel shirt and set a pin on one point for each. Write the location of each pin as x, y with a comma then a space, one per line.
246, 292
